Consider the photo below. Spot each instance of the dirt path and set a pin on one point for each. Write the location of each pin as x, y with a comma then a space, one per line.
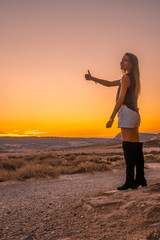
30, 205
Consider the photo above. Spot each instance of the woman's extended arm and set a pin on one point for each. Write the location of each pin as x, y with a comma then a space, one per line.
101, 81
124, 85
106, 82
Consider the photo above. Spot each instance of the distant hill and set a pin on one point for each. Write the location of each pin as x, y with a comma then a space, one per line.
156, 137
143, 137
154, 141
23, 144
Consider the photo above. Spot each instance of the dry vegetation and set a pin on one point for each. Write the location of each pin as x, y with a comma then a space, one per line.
51, 165
40, 165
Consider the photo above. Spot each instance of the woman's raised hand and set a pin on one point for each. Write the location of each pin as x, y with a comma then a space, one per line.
88, 76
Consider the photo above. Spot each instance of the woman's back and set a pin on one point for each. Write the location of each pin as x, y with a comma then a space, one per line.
130, 99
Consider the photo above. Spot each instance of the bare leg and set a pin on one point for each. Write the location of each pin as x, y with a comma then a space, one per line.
130, 134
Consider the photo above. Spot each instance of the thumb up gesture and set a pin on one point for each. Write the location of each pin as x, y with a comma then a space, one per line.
88, 76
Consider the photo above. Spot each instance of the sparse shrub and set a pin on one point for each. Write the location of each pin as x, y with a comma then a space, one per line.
55, 162
47, 155
6, 175
19, 163
95, 159
90, 167
12, 164
50, 161
8, 165
2, 177
14, 156
79, 160
149, 156
105, 161
71, 157
155, 152
38, 170
67, 170
154, 235
114, 158
26, 172
30, 158
84, 166
152, 158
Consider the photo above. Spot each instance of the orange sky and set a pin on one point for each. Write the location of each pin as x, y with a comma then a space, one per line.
46, 48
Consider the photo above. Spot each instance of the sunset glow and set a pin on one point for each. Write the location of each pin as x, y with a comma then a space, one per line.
48, 46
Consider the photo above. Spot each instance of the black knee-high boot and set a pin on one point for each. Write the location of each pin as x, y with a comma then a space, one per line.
128, 149
140, 179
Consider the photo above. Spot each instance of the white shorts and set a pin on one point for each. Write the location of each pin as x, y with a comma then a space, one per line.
127, 118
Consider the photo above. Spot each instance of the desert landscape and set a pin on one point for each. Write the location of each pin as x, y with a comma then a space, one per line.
69, 193
74, 74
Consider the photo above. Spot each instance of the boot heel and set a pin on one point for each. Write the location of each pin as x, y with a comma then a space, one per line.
144, 185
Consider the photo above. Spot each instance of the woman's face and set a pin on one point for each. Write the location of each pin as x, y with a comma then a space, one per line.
125, 63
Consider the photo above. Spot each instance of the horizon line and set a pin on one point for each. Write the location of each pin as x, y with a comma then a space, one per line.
27, 136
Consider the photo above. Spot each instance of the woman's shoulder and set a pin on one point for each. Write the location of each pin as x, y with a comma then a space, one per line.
130, 74
125, 77
125, 80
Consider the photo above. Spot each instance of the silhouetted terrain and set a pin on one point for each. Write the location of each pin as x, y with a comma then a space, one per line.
22, 144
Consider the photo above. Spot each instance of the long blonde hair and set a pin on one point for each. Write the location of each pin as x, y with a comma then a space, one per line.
135, 68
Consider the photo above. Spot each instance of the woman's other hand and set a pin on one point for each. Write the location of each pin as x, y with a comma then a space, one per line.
88, 76
109, 124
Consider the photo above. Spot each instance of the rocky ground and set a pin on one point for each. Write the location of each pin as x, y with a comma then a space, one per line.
80, 206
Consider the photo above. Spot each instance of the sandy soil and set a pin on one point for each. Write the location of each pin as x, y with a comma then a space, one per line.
80, 206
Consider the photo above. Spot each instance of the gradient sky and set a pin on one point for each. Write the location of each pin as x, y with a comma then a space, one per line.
46, 47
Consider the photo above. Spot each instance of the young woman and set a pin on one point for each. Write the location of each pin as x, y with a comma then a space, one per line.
128, 118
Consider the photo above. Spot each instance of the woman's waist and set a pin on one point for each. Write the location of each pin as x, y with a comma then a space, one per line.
130, 107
